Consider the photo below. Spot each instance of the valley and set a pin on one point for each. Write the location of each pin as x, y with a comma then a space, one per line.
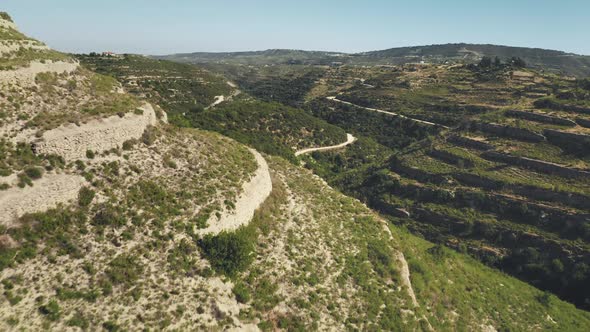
415, 189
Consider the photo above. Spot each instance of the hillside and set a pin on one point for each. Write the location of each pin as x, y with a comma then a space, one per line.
195, 97
116, 214
550, 60
493, 162
266, 57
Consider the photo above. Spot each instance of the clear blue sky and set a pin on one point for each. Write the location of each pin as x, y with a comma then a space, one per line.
173, 26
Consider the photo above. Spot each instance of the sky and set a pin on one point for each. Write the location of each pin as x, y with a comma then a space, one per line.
179, 26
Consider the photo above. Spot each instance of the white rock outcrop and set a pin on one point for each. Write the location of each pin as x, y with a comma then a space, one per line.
26, 76
254, 193
46, 193
72, 141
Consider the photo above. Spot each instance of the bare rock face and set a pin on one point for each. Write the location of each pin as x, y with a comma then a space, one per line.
26, 76
72, 141
47, 193
254, 193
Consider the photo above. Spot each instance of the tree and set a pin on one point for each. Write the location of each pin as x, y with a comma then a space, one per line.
584, 84
486, 62
497, 62
518, 62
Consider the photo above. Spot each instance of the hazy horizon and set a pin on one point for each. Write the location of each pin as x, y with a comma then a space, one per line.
182, 26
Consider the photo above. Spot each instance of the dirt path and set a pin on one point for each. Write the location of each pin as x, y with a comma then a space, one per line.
404, 268
405, 277
45, 194
349, 140
72, 141
221, 99
386, 112
254, 193
218, 100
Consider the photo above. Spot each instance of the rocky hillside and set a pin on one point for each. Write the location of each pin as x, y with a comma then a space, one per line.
114, 219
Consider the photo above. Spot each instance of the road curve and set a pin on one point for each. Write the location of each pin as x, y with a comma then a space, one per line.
386, 112
349, 140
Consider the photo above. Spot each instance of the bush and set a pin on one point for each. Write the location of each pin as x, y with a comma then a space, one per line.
108, 216
128, 144
439, 252
124, 269
5, 16
78, 320
228, 253
111, 326
85, 196
149, 135
241, 292
51, 310
34, 172
90, 154
545, 298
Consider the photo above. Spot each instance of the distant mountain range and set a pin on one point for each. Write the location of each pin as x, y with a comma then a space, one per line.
551, 60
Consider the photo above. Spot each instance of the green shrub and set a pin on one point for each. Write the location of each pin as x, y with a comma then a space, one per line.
51, 310
439, 252
241, 292
109, 216
545, 298
34, 172
168, 162
228, 253
149, 135
129, 144
124, 269
78, 320
111, 326
85, 196
5, 16
90, 154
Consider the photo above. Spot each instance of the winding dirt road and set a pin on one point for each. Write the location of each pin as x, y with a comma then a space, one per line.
386, 112
349, 140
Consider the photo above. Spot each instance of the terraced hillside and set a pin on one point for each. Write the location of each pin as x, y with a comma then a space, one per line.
114, 219
502, 172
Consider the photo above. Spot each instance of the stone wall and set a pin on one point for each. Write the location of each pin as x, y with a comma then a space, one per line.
540, 118
536, 165
450, 158
469, 143
508, 132
578, 143
72, 141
